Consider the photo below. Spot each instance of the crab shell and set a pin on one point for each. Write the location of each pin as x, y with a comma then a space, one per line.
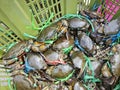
63, 42
36, 61
61, 71
108, 30
78, 24
96, 66
47, 34
51, 55
17, 49
78, 61
86, 42
54, 55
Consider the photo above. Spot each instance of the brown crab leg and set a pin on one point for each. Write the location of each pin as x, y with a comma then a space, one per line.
8, 62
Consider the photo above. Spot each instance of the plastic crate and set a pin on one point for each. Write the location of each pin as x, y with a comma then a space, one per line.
15, 17
109, 8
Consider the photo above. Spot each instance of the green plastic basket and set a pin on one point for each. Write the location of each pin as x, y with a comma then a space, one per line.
15, 16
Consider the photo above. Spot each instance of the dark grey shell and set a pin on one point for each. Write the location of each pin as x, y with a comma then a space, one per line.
76, 23
36, 61
86, 43
61, 71
96, 66
112, 27
47, 34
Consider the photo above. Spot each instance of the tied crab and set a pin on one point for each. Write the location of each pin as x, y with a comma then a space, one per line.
34, 61
77, 24
50, 35
78, 61
18, 50
77, 27
86, 43
50, 32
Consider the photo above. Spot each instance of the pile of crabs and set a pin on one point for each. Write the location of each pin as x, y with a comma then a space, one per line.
77, 52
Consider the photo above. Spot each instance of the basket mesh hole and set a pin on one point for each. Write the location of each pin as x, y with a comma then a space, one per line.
60, 15
57, 16
54, 1
18, 38
41, 5
27, 1
9, 36
15, 41
12, 33
59, 7
51, 9
55, 9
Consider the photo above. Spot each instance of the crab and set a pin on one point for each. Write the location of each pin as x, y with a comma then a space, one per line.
50, 35
18, 50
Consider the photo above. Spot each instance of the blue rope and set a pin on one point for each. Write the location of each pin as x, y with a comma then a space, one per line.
28, 68
115, 37
77, 44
